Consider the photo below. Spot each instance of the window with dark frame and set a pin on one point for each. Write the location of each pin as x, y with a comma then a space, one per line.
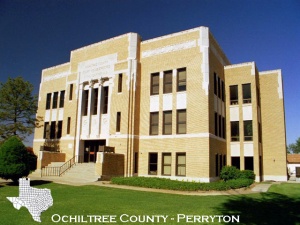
235, 131
154, 90
46, 130
105, 101
55, 98
223, 90
71, 92
235, 161
167, 122
248, 132
181, 79
234, 96
167, 88
246, 93
217, 165
85, 102
62, 99
248, 162
215, 84
152, 167
118, 124
181, 121
180, 164
166, 164
52, 130
59, 129
69, 125
220, 126
48, 101
224, 127
216, 124
120, 82
219, 87
95, 104
154, 123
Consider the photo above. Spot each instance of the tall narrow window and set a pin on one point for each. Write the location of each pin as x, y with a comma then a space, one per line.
166, 163
181, 79
118, 125
154, 84
136, 162
59, 129
69, 125
71, 92
216, 124
219, 87
46, 130
220, 126
62, 99
180, 164
248, 133
235, 161
152, 167
168, 82
154, 123
52, 130
105, 101
235, 131
224, 127
95, 104
246, 93
215, 84
223, 90
48, 101
55, 97
234, 96
120, 81
248, 162
167, 121
181, 121
217, 165
85, 98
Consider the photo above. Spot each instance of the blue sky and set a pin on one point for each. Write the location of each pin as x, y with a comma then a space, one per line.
37, 34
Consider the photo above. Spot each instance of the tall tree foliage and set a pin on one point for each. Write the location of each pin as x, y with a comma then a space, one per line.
18, 107
295, 147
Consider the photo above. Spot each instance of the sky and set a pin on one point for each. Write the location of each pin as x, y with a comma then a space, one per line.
37, 34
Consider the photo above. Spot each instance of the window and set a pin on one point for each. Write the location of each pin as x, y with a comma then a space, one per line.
152, 164
223, 127
224, 160
52, 130
154, 84
46, 130
59, 129
167, 121
168, 82
181, 79
181, 121
118, 125
235, 161
234, 100
220, 126
223, 90
154, 123
215, 84
249, 163
105, 105
69, 125
55, 97
166, 163
219, 87
95, 104
216, 124
120, 82
71, 92
180, 164
136, 162
85, 98
217, 165
48, 101
248, 133
62, 99
235, 131
246, 93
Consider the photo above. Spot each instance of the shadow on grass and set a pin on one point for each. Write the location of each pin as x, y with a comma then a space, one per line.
269, 208
32, 183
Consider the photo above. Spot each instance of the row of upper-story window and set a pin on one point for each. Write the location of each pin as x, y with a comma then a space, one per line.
53, 129
246, 90
248, 131
167, 122
219, 87
168, 81
58, 100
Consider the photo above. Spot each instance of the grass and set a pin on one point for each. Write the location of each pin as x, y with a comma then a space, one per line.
279, 206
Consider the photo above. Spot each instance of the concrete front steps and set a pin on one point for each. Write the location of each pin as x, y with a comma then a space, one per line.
80, 173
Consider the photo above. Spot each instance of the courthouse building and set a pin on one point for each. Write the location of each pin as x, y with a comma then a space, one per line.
173, 106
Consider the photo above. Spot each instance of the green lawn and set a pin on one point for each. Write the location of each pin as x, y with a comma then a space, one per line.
281, 205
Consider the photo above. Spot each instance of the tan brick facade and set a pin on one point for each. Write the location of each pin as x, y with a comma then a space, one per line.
162, 103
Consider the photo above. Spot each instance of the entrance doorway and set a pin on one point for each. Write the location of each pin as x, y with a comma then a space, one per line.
91, 148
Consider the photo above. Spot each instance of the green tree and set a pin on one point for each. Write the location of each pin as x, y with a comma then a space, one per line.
15, 160
18, 107
295, 147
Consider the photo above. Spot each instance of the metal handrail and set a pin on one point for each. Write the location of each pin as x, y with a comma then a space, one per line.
58, 170
66, 166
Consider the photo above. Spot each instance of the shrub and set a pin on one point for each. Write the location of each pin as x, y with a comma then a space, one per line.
229, 173
15, 160
247, 174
